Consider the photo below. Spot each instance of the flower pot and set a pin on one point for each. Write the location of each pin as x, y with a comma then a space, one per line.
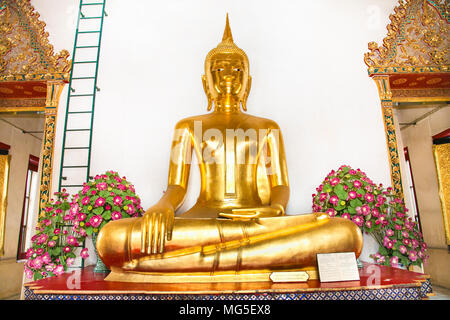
99, 266
359, 264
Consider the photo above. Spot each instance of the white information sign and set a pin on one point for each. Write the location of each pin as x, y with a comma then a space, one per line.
290, 276
340, 266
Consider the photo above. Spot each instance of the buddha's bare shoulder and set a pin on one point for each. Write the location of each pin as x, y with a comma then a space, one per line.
261, 122
190, 121
253, 121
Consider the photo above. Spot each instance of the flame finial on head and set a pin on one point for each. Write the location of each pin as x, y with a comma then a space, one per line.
227, 36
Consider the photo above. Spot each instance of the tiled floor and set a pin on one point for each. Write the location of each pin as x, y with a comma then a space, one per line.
441, 293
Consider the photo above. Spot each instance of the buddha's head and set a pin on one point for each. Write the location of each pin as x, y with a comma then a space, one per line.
227, 81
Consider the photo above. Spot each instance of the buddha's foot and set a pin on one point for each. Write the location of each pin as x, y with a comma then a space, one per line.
130, 265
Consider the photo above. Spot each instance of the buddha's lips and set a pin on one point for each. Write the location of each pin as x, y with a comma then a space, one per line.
228, 87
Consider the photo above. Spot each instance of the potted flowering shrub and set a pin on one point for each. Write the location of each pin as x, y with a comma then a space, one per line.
401, 243
53, 246
350, 194
106, 197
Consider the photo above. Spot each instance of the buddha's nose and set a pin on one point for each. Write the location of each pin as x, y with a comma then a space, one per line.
228, 78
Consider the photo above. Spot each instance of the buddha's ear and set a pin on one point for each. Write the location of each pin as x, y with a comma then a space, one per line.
208, 94
247, 92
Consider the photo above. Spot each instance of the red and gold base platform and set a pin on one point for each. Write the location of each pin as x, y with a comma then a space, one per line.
376, 283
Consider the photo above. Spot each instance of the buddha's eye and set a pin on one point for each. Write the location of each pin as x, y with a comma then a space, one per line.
237, 69
220, 69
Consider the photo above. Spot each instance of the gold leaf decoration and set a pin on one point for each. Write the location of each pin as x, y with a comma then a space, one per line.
416, 41
25, 51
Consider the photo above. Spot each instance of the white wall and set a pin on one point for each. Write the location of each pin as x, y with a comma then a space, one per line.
306, 60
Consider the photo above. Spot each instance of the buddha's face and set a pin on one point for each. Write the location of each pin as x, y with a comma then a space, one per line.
227, 76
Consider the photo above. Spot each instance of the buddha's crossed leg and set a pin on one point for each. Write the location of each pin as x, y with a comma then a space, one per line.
215, 245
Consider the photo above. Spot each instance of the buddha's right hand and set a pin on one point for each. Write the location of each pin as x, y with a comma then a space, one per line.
157, 226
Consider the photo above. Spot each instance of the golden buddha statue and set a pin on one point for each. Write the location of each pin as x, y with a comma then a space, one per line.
238, 225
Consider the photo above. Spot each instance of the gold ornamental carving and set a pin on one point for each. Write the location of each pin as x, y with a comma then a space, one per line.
392, 146
21, 104
408, 95
383, 86
54, 89
25, 52
417, 40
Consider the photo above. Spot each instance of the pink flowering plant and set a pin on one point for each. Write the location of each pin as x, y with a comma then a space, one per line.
53, 246
106, 197
401, 242
350, 194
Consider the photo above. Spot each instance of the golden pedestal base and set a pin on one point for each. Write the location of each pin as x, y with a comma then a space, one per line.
250, 276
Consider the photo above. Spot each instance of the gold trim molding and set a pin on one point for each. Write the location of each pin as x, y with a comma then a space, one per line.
54, 89
4, 177
421, 95
18, 105
441, 154
385, 94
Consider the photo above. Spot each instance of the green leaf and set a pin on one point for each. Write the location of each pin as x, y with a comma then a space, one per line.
71, 255
37, 275
355, 203
340, 192
343, 196
351, 210
65, 206
327, 188
404, 261
339, 188
104, 193
56, 251
89, 230
383, 251
98, 210
106, 215
397, 253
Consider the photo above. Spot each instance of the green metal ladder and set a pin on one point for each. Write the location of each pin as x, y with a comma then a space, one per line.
83, 102
79, 117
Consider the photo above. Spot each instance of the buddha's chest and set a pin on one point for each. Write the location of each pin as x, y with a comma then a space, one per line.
231, 146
